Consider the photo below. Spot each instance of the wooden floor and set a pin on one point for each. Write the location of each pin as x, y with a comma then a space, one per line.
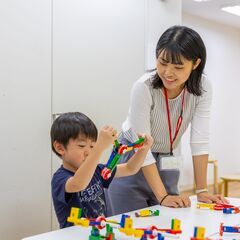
233, 188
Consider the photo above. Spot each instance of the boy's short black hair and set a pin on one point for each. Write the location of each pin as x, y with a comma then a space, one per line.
69, 126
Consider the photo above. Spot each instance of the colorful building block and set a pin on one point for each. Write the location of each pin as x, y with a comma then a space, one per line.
206, 206
232, 210
95, 234
229, 229
214, 206
118, 150
160, 236
128, 227
199, 232
147, 213
176, 224
75, 214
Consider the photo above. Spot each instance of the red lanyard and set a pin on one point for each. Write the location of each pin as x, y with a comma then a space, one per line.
179, 121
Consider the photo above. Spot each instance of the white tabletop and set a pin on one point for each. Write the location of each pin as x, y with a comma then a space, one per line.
190, 217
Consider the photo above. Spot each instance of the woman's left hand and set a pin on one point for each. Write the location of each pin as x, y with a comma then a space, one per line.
210, 198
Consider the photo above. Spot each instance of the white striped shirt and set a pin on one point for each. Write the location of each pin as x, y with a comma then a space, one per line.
148, 114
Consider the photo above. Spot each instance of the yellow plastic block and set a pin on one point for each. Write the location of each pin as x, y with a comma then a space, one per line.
127, 231
74, 215
176, 224
200, 232
138, 233
128, 223
128, 227
82, 222
206, 205
128, 149
144, 213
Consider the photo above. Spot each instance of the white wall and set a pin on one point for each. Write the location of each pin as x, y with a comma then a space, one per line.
223, 49
160, 15
25, 110
98, 51
84, 57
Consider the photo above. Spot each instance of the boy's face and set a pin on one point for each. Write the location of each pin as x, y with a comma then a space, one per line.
75, 153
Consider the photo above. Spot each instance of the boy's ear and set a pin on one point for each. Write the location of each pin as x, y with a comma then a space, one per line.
59, 148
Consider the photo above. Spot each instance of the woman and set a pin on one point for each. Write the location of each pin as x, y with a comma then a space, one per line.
163, 104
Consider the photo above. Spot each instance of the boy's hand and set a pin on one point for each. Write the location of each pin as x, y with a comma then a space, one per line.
148, 141
106, 137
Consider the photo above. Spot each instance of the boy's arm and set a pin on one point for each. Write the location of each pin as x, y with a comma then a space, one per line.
85, 172
135, 162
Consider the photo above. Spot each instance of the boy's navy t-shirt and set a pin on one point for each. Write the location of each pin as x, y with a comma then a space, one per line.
91, 200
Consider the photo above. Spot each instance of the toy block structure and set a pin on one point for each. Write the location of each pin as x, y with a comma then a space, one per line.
199, 233
217, 207
118, 150
176, 224
231, 210
147, 213
175, 227
76, 219
95, 234
228, 229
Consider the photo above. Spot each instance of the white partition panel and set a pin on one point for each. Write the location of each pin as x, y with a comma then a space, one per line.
25, 110
98, 52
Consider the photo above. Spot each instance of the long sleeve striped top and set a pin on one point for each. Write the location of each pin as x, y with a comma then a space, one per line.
148, 114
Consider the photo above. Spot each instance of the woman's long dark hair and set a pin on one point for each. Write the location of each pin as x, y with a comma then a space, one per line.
182, 41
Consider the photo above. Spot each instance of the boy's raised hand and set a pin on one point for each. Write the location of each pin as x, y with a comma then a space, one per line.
106, 137
148, 141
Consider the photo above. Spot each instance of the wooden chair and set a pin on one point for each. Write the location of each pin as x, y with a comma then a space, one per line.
217, 185
229, 178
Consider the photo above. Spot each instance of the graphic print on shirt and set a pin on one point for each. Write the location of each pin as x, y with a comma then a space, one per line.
93, 200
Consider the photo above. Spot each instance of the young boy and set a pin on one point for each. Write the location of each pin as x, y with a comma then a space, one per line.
78, 182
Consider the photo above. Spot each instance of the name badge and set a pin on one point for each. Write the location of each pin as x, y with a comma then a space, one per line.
171, 162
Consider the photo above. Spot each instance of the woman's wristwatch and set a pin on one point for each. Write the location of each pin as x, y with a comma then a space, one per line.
197, 191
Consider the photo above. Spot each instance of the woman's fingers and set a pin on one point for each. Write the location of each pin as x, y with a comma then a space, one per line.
176, 201
204, 198
210, 198
186, 201
221, 199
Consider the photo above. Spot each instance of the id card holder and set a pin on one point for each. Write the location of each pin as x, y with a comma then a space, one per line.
169, 171
171, 162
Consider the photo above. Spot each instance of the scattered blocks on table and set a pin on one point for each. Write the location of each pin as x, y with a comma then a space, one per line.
176, 224
147, 213
228, 229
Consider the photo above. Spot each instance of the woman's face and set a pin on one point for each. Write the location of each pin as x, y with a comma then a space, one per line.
172, 75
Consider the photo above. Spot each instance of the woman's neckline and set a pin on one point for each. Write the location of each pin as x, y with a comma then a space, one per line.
174, 97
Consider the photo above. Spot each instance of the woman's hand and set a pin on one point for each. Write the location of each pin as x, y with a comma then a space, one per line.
210, 198
176, 201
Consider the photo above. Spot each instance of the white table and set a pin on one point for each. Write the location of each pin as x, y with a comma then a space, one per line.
190, 217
